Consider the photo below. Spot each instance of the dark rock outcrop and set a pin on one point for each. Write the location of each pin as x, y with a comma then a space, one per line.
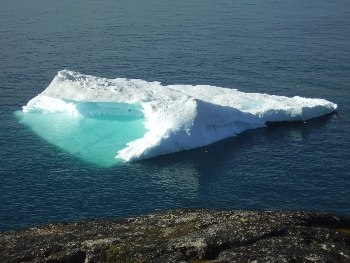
186, 236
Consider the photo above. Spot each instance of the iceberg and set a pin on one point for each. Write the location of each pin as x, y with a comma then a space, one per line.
138, 119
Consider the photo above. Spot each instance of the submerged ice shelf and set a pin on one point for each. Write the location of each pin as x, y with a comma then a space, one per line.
98, 119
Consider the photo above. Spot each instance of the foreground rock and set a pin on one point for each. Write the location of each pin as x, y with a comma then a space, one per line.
186, 236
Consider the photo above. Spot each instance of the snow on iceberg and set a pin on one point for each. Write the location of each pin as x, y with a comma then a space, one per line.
174, 117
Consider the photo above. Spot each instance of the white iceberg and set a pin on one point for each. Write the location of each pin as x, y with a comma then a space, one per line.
174, 117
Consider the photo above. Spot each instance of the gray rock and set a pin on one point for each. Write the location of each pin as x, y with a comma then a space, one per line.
186, 236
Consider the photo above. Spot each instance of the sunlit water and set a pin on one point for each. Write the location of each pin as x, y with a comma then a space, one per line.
283, 48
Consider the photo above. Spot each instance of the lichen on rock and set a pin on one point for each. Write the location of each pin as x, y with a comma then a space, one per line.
188, 235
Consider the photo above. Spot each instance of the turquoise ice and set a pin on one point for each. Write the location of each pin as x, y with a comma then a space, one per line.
95, 140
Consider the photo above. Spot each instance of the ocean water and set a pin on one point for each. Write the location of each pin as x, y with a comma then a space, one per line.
277, 47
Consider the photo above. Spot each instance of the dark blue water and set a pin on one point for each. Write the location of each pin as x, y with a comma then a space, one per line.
278, 47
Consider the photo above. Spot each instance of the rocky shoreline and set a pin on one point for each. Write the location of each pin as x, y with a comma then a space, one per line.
190, 235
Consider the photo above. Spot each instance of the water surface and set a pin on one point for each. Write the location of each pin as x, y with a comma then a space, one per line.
276, 47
